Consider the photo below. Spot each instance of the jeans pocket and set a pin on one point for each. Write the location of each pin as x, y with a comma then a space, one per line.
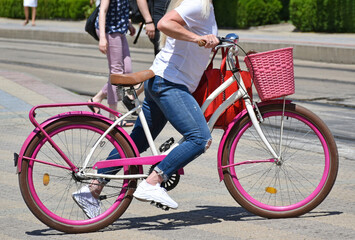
157, 85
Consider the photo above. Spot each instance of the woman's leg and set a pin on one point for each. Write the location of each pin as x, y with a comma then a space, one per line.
155, 120
180, 108
98, 98
33, 16
27, 17
167, 101
128, 69
119, 61
102, 94
183, 112
160, 7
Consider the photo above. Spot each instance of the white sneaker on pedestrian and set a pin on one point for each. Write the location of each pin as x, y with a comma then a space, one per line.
85, 200
147, 192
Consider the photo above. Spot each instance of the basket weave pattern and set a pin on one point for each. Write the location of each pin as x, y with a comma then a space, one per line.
272, 72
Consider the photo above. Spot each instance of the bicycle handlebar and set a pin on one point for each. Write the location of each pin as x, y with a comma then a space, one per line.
231, 39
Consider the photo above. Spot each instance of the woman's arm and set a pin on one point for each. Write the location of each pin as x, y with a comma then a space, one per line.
102, 25
143, 8
173, 26
149, 27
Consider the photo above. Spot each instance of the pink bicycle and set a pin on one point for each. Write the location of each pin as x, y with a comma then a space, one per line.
277, 159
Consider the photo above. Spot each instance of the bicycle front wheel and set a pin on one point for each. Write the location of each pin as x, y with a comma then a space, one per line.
295, 184
47, 184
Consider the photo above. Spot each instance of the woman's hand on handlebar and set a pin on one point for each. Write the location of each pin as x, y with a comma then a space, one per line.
208, 41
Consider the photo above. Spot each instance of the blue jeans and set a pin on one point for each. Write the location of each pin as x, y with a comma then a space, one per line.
166, 101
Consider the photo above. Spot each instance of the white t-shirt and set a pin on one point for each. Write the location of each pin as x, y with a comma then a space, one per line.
183, 62
30, 3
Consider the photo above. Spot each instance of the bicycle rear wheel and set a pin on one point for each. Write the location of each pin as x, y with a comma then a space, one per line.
47, 189
296, 184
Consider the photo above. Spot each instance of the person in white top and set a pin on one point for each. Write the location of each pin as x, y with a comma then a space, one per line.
178, 69
27, 4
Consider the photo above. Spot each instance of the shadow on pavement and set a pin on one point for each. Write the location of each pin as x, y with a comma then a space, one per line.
172, 221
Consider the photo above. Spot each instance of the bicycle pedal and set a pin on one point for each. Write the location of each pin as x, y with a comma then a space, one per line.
102, 197
166, 145
159, 205
156, 204
165, 208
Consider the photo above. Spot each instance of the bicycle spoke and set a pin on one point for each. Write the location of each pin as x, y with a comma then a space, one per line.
290, 182
50, 188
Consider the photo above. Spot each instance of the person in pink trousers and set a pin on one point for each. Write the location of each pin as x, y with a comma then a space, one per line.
112, 25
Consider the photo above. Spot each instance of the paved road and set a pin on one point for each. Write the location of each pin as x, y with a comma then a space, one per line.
82, 69
206, 211
323, 47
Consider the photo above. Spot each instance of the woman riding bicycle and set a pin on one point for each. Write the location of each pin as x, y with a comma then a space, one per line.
177, 68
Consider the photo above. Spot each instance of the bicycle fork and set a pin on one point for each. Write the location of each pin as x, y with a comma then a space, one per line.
249, 107
256, 125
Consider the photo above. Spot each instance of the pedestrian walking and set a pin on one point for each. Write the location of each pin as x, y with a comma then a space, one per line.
112, 24
33, 5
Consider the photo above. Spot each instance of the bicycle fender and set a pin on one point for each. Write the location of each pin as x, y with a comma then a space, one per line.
65, 115
230, 126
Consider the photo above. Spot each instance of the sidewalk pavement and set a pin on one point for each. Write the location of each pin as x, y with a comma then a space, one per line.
19, 92
321, 47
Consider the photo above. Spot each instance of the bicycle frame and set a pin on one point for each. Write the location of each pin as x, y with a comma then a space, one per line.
285, 173
156, 157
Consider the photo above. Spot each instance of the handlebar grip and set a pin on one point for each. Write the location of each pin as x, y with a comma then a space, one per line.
201, 43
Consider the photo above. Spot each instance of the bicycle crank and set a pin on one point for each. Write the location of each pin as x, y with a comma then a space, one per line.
172, 181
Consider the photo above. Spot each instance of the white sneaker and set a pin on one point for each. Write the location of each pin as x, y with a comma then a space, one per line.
147, 192
85, 200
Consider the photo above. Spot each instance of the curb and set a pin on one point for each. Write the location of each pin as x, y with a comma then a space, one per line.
302, 51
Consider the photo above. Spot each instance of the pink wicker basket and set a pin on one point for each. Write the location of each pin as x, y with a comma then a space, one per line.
272, 73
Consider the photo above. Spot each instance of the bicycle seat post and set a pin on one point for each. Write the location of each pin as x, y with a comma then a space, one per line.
132, 91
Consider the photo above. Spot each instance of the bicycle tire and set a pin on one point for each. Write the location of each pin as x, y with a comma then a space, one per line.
296, 185
47, 189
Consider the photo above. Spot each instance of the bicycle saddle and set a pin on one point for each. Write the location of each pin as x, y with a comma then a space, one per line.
130, 79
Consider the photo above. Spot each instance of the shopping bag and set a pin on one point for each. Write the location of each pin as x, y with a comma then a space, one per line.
211, 79
90, 23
